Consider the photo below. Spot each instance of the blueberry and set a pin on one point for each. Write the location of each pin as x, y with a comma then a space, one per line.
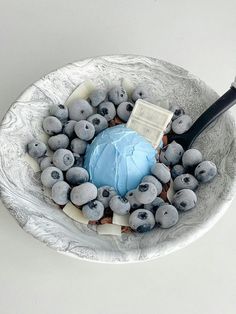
93, 210
182, 124
99, 122
191, 158
146, 192
61, 192
105, 193
83, 193
134, 203
107, 110
205, 171
63, 159
177, 170
58, 141
141, 92
171, 154
79, 160
80, 109
50, 176
46, 162
97, 97
177, 111
77, 175
119, 205
84, 130
142, 220
36, 149
161, 172
184, 200
52, 125
185, 181
59, 111
68, 128
154, 205
78, 146
166, 216
117, 95
153, 180
124, 110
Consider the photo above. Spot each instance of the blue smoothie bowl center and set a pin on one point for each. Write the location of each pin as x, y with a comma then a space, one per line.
119, 157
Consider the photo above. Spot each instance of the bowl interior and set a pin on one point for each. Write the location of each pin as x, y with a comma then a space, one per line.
21, 190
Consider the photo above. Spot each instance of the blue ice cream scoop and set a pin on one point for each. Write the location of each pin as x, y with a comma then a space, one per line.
119, 157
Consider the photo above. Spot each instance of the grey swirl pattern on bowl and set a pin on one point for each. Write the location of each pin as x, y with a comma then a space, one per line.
21, 190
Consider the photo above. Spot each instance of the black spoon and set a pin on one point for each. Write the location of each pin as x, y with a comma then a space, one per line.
214, 111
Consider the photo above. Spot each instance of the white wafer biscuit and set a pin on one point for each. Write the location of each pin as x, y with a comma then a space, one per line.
75, 213
149, 120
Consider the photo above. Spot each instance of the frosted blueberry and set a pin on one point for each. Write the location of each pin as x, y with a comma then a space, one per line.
191, 158
36, 149
61, 192
46, 162
50, 176
177, 111
146, 192
63, 159
185, 181
107, 110
93, 210
68, 128
134, 203
59, 111
58, 141
84, 130
153, 180
77, 175
80, 109
117, 95
83, 193
78, 146
171, 154
184, 200
177, 170
205, 171
141, 92
124, 110
52, 125
99, 122
97, 97
119, 205
166, 216
105, 193
182, 124
161, 172
142, 220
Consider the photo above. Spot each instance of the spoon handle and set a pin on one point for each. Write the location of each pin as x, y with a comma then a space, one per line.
222, 104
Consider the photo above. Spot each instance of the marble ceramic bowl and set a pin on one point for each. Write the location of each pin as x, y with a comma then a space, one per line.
21, 190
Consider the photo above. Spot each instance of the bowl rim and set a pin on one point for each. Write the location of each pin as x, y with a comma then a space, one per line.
205, 226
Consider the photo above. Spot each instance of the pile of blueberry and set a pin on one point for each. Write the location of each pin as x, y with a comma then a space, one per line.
72, 128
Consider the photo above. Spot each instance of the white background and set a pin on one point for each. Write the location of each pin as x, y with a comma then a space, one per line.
39, 36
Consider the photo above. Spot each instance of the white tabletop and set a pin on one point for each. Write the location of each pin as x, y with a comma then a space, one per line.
39, 36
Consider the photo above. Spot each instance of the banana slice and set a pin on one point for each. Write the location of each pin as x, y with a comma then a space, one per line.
32, 162
82, 91
128, 86
109, 229
171, 191
75, 213
120, 220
